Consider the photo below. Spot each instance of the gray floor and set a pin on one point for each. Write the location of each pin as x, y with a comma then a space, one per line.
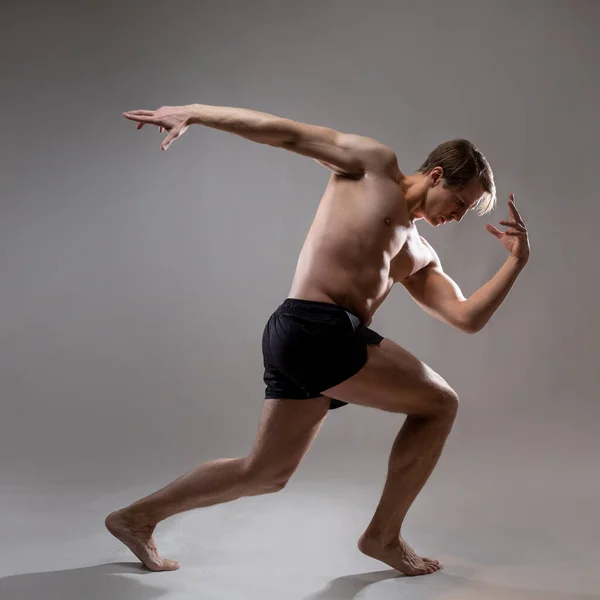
511, 535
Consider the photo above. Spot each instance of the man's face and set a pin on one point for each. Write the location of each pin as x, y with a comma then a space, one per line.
443, 204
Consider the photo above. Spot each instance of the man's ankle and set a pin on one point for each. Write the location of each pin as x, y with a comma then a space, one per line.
379, 536
139, 519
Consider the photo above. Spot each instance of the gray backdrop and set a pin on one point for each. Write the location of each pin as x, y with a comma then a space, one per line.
136, 283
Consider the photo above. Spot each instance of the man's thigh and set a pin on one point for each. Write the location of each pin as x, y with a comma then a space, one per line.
394, 380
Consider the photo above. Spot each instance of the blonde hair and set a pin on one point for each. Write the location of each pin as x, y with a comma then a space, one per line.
461, 162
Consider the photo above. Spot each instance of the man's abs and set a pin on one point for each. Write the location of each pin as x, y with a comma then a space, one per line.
357, 246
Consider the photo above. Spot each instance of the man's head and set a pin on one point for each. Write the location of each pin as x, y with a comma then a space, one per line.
454, 178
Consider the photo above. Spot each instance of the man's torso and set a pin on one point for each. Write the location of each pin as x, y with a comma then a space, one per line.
360, 243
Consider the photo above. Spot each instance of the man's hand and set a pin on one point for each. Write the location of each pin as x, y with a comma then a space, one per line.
515, 239
174, 119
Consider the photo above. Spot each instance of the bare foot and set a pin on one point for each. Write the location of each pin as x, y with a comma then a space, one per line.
139, 540
399, 556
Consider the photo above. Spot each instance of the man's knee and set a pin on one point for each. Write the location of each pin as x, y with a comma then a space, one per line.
265, 480
446, 401
440, 401
267, 487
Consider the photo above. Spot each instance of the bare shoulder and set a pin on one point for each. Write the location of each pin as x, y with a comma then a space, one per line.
383, 169
378, 159
388, 163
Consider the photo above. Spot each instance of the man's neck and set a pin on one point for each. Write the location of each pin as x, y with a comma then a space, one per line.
413, 188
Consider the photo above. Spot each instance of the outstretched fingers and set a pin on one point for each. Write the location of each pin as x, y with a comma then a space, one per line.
171, 137
495, 232
512, 209
160, 129
514, 225
139, 112
140, 118
164, 121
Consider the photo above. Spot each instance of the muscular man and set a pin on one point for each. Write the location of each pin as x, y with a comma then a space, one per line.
319, 353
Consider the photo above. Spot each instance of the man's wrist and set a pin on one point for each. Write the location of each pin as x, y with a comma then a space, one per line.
194, 114
518, 261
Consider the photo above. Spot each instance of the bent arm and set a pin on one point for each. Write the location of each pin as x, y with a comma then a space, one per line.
441, 297
341, 152
438, 295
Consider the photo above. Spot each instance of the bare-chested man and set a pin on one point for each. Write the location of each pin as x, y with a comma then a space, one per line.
319, 353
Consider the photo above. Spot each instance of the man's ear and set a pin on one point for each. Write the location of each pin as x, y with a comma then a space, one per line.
436, 175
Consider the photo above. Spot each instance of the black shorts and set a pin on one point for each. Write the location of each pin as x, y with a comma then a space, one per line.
311, 346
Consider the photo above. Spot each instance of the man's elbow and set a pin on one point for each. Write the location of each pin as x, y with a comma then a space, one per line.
471, 327
462, 319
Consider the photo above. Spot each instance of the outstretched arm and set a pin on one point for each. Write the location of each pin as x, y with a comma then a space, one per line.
441, 297
343, 153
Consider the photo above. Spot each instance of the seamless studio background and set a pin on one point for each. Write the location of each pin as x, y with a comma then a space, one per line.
136, 284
